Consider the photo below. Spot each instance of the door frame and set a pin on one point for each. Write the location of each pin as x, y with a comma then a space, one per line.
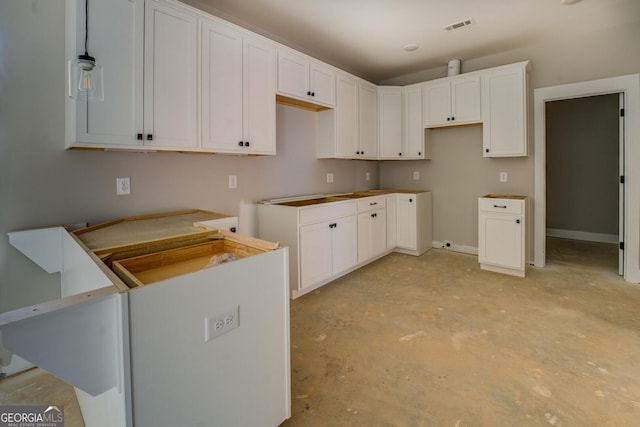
630, 86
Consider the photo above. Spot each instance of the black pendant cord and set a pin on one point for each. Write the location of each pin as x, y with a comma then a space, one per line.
86, 27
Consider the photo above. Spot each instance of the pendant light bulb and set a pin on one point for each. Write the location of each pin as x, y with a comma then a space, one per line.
85, 76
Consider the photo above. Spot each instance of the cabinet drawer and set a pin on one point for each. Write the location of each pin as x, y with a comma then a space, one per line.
325, 212
371, 203
512, 206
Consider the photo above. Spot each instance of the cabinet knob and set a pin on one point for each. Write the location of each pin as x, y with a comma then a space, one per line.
139, 137
240, 144
362, 152
149, 137
419, 153
448, 119
399, 154
410, 200
247, 143
309, 93
357, 152
313, 94
517, 221
453, 118
486, 150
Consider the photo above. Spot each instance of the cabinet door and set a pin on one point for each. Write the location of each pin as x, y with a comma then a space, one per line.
315, 253
390, 122
372, 234
322, 84
406, 231
170, 87
413, 128
344, 245
465, 100
504, 113
259, 97
368, 120
347, 117
118, 46
500, 240
222, 99
437, 104
293, 75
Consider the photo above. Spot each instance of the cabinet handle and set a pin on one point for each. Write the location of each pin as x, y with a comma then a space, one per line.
517, 221
139, 137
240, 144
247, 143
500, 206
149, 137
373, 203
334, 225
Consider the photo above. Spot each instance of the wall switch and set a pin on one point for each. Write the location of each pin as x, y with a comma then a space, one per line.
416, 175
221, 324
503, 177
329, 177
233, 181
123, 186
367, 176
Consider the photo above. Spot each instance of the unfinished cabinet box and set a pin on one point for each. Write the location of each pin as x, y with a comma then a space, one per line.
161, 321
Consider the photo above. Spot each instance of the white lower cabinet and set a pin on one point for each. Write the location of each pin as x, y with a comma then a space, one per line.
372, 228
413, 222
501, 234
326, 249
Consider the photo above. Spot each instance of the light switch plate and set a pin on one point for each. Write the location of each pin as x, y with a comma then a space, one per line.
233, 181
416, 175
329, 177
503, 177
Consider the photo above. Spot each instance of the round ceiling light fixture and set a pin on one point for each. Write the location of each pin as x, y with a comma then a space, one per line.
411, 47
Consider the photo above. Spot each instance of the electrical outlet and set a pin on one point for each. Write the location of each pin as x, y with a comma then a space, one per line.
329, 177
367, 176
123, 186
221, 324
503, 177
233, 181
416, 175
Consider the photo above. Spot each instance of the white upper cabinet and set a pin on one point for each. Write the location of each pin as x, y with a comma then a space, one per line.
367, 120
452, 101
304, 79
504, 111
115, 121
346, 113
390, 122
238, 92
413, 138
170, 76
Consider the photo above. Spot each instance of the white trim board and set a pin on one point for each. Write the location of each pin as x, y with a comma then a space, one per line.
582, 235
630, 86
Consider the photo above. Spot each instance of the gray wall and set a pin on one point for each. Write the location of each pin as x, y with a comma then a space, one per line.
582, 164
457, 176
41, 184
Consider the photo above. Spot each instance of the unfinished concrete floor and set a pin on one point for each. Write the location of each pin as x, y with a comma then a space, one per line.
435, 341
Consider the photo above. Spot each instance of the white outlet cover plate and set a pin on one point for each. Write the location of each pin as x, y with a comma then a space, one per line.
123, 186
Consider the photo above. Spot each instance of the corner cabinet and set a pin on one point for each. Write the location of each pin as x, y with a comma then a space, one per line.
504, 111
238, 92
501, 234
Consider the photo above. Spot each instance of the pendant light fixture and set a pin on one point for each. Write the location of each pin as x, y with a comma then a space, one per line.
85, 76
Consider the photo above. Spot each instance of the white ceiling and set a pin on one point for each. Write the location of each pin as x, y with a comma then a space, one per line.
366, 37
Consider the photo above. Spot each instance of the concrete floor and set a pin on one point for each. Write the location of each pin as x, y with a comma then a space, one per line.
435, 341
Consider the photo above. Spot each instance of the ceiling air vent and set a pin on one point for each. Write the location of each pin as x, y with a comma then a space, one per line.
460, 24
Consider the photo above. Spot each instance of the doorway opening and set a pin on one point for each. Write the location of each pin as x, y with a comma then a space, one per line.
584, 155
629, 207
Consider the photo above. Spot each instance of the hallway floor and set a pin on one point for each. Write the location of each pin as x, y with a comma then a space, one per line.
435, 341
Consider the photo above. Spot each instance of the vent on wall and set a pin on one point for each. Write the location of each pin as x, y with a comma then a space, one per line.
460, 24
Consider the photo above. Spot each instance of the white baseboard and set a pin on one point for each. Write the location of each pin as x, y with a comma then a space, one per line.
17, 364
582, 235
456, 248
